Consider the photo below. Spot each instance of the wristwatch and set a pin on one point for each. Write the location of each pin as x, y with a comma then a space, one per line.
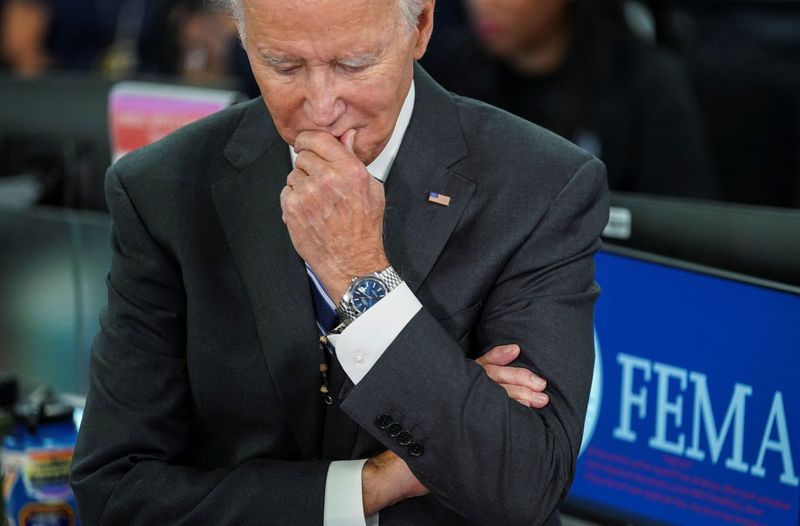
366, 291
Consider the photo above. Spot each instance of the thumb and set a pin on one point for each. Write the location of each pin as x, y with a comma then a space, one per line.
349, 140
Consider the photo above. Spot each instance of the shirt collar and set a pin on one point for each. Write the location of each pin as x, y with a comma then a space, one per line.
379, 168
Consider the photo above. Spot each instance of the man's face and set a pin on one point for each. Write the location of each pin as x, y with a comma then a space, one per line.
334, 65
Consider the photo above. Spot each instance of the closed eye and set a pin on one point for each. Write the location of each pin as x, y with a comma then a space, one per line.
353, 68
286, 70
358, 63
280, 65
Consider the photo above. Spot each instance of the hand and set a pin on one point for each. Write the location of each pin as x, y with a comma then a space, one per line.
521, 384
333, 209
386, 480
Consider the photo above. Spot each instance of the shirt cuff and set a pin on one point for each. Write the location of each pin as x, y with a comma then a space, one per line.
344, 504
364, 341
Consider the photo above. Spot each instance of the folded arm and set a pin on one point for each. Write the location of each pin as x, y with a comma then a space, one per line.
485, 456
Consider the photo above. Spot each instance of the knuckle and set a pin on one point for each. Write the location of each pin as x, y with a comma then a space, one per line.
324, 185
503, 375
294, 177
299, 141
291, 206
328, 175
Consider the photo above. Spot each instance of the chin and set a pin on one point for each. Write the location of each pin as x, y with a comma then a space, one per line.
367, 154
366, 158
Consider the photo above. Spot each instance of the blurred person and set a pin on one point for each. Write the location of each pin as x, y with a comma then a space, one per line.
574, 67
443, 249
23, 29
192, 39
38, 35
744, 61
196, 41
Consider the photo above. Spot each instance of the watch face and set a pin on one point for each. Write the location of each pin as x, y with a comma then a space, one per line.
366, 293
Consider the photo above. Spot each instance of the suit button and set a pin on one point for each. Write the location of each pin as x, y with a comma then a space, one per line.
383, 421
394, 430
404, 438
416, 449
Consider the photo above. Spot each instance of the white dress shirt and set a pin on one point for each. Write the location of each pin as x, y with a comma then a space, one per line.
360, 346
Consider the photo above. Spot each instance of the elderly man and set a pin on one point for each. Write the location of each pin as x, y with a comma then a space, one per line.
213, 398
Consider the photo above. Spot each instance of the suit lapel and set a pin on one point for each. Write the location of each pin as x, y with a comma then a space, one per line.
273, 274
417, 230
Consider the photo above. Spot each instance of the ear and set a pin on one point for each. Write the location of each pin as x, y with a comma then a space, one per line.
424, 29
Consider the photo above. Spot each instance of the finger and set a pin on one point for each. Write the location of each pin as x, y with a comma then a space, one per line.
349, 140
296, 179
322, 143
526, 396
312, 164
500, 355
515, 376
286, 197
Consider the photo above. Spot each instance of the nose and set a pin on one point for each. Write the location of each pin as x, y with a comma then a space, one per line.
323, 104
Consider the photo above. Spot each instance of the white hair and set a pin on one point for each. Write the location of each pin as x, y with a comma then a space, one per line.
409, 9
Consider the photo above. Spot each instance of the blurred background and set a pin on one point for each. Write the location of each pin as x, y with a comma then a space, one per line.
693, 105
694, 99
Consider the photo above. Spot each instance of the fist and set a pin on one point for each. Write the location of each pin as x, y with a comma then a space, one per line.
333, 209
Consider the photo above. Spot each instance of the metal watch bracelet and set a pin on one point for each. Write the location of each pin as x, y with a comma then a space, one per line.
347, 312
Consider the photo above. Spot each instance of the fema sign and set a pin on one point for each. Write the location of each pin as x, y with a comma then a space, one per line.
694, 416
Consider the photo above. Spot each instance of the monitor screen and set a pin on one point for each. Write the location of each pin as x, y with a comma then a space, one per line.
38, 332
52, 288
695, 410
754, 240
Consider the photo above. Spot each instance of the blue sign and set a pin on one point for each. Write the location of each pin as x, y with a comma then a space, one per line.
695, 411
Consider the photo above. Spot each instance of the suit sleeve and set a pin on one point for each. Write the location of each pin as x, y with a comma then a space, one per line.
483, 455
132, 462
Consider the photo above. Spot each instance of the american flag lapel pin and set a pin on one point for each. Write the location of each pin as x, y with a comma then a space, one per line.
439, 199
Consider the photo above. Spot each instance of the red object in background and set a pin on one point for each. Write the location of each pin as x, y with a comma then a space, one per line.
142, 113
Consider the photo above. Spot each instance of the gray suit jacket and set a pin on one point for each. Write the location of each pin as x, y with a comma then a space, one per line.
204, 404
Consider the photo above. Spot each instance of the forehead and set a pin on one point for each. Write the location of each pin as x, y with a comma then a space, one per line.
298, 25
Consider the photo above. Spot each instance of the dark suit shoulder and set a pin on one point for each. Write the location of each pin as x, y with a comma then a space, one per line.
167, 182
511, 153
188, 155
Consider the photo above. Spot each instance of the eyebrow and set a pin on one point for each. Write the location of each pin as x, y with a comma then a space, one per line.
362, 59
274, 60
359, 60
